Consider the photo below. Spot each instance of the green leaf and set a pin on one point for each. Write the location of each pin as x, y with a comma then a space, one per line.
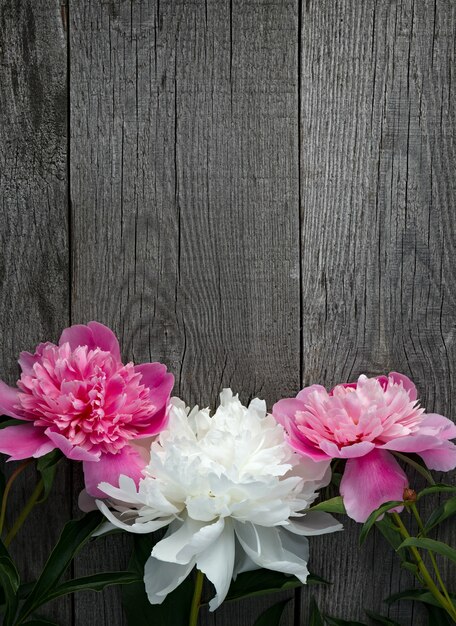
415, 595
386, 506
381, 619
315, 618
334, 621
74, 536
430, 544
95, 582
47, 467
443, 512
176, 607
273, 615
334, 505
440, 488
12, 422
10, 581
263, 581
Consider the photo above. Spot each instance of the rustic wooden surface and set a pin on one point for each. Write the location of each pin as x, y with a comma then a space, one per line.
254, 192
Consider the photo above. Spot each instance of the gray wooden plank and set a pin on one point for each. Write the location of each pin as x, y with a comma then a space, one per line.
184, 183
34, 234
377, 194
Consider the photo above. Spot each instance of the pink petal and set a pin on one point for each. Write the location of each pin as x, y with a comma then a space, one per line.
24, 441
406, 383
442, 459
285, 410
346, 452
94, 335
9, 400
306, 448
437, 425
411, 443
75, 453
160, 383
369, 481
110, 466
304, 394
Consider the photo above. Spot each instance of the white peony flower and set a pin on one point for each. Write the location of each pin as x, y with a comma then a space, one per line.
233, 493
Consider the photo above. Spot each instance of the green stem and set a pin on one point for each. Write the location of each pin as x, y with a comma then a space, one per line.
432, 557
8, 486
24, 513
196, 600
424, 571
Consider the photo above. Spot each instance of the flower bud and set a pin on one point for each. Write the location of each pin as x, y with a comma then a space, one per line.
409, 495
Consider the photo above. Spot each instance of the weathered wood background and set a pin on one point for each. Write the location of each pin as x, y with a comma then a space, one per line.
260, 193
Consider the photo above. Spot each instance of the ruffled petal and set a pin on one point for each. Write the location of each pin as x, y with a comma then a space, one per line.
369, 481
24, 441
109, 467
285, 410
75, 453
266, 547
160, 384
217, 563
9, 402
94, 335
190, 540
347, 452
412, 443
441, 458
406, 383
162, 577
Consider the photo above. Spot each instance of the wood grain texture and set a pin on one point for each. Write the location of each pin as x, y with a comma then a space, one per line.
184, 183
377, 206
34, 233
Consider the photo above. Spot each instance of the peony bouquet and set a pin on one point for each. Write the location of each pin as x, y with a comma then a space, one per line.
232, 497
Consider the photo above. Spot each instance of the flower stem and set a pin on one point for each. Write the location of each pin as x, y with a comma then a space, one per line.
432, 557
24, 513
8, 486
443, 602
196, 600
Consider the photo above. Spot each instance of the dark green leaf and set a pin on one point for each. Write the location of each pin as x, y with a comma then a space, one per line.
334, 505
415, 595
381, 619
47, 467
411, 567
176, 607
438, 616
12, 422
334, 621
75, 534
315, 618
10, 581
263, 581
95, 582
272, 616
440, 488
430, 544
336, 479
386, 506
443, 512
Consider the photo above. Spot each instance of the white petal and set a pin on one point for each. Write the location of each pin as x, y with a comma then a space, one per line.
160, 578
264, 546
139, 528
183, 544
313, 523
217, 563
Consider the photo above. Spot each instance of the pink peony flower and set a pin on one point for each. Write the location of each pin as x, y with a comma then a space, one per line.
362, 422
80, 398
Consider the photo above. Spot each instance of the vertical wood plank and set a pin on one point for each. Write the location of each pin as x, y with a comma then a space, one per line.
378, 194
34, 234
184, 182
